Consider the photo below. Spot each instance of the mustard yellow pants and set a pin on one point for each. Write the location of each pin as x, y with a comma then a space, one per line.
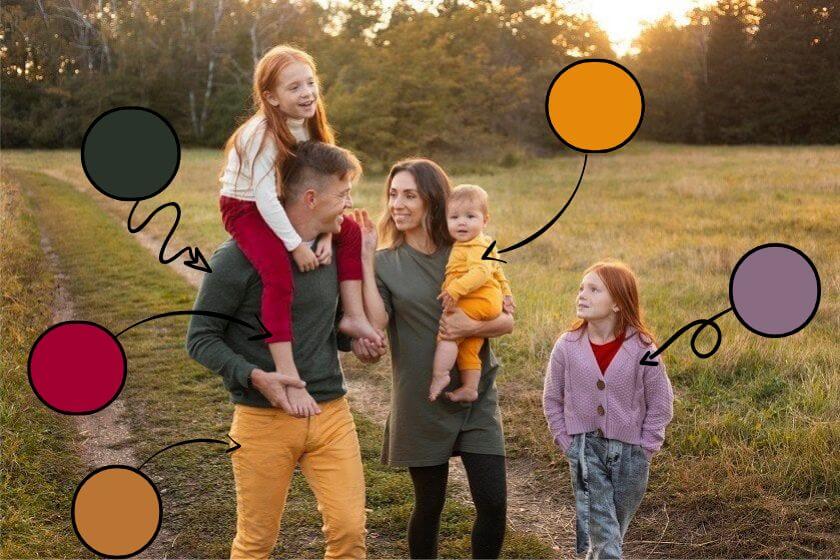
482, 304
327, 449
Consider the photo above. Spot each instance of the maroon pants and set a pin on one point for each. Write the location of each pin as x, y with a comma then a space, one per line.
268, 255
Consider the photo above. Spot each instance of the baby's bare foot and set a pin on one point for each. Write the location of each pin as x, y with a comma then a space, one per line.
439, 383
462, 394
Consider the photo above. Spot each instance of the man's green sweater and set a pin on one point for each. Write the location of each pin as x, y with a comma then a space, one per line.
234, 288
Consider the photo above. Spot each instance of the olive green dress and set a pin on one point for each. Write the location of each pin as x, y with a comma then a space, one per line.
420, 433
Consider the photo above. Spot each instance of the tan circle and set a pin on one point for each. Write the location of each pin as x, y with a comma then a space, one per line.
595, 105
116, 511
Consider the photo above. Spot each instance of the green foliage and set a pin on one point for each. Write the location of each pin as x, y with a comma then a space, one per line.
742, 72
455, 80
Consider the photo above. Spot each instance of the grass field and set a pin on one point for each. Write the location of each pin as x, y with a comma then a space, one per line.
749, 466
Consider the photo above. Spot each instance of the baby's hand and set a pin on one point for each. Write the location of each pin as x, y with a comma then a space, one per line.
305, 258
508, 305
323, 249
446, 300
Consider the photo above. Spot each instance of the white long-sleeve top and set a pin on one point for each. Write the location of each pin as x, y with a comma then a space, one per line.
256, 179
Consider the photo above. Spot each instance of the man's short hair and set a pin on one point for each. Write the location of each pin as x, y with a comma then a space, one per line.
311, 164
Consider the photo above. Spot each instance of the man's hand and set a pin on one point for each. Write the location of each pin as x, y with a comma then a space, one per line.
323, 249
456, 324
305, 258
366, 351
273, 385
302, 402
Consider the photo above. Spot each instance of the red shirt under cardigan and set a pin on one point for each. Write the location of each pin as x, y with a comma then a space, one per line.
604, 353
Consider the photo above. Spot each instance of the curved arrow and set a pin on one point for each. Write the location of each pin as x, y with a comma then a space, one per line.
262, 332
196, 259
231, 449
648, 358
486, 256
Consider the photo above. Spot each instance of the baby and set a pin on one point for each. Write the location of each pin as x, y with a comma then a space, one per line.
477, 286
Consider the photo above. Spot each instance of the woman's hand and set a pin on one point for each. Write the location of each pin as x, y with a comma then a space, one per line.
305, 258
456, 324
323, 249
369, 235
366, 351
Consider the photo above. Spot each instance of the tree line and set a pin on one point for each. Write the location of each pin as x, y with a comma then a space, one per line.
743, 73
462, 78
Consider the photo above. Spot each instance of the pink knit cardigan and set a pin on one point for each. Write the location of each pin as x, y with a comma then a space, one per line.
633, 403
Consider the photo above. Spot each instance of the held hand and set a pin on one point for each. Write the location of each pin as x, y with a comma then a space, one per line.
457, 324
323, 249
366, 351
302, 402
447, 301
508, 305
273, 385
369, 235
305, 258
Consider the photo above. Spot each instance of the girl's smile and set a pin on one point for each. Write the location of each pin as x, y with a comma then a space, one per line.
296, 92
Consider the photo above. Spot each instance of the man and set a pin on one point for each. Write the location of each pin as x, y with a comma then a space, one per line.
317, 184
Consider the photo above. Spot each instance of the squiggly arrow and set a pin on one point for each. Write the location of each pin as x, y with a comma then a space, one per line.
196, 258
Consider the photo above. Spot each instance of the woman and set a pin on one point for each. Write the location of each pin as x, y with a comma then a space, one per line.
420, 434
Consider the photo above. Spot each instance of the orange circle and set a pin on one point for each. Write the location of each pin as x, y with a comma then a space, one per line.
116, 511
595, 105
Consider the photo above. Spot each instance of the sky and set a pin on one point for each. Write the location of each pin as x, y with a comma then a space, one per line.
624, 19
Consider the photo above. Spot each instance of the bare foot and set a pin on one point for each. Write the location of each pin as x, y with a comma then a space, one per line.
360, 328
462, 394
439, 383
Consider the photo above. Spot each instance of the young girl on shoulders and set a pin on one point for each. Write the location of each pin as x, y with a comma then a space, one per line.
605, 411
289, 109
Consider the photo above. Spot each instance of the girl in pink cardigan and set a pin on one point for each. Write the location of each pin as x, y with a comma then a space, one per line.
605, 411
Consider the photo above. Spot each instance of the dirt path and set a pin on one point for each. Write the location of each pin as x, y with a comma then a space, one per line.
105, 436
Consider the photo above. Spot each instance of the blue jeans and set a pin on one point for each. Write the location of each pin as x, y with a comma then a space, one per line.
609, 479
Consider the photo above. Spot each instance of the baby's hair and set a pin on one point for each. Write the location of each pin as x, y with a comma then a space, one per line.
470, 193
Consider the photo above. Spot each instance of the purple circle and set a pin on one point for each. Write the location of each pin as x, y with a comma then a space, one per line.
774, 290
77, 367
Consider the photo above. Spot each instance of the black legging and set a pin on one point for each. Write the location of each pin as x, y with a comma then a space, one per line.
486, 475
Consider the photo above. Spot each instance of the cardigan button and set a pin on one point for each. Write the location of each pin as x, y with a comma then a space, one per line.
600, 432
600, 410
600, 384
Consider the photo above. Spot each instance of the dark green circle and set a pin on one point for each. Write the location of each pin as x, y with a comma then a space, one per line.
130, 153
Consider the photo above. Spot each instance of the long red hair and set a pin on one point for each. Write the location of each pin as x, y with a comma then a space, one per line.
624, 289
266, 75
